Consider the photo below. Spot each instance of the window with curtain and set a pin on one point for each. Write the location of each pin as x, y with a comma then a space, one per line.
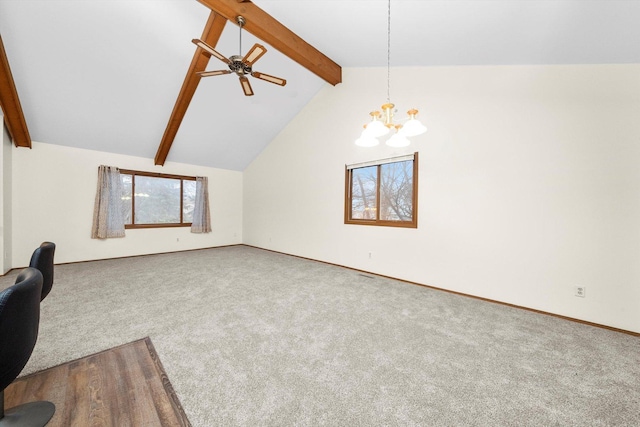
108, 218
135, 199
383, 192
151, 200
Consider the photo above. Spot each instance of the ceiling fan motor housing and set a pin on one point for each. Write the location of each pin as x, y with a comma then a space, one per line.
239, 67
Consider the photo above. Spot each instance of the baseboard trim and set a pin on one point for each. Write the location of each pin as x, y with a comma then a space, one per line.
131, 256
559, 316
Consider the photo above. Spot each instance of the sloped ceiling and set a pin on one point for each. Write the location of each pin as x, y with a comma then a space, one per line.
105, 74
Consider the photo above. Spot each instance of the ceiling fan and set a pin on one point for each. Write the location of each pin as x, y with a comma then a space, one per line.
241, 65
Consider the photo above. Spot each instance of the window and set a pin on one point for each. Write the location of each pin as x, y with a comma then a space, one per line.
157, 200
383, 192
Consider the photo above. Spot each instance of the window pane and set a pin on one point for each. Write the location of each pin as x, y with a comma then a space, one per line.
126, 197
363, 192
396, 191
188, 200
157, 200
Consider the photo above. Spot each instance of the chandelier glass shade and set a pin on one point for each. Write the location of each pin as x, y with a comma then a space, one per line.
398, 139
413, 127
367, 141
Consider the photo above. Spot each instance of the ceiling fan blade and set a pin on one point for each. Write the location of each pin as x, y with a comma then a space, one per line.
211, 50
213, 73
268, 78
246, 86
254, 54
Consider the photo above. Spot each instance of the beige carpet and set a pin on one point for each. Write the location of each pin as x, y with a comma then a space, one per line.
250, 337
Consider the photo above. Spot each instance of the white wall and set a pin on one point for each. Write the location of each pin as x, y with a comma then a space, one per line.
54, 190
529, 185
5, 199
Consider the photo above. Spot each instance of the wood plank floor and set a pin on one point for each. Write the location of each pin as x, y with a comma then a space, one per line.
123, 386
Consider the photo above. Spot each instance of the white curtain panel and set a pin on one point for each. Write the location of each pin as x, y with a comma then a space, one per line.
108, 219
201, 216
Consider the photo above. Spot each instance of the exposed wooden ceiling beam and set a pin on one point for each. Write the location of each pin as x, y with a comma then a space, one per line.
13, 115
264, 27
268, 29
210, 35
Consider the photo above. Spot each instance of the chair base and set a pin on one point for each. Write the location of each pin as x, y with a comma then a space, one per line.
33, 414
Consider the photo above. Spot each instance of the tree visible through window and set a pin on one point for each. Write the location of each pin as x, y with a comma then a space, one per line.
157, 200
383, 192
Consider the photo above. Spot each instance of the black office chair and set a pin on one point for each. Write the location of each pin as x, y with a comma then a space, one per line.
42, 259
19, 321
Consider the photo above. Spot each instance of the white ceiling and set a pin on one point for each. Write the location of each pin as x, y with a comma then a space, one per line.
105, 74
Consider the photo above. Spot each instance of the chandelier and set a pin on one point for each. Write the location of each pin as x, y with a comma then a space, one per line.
382, 124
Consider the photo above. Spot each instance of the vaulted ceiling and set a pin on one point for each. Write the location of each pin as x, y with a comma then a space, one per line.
106, 75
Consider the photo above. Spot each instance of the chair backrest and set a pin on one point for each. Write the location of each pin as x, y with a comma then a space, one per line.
19, 321
42, 259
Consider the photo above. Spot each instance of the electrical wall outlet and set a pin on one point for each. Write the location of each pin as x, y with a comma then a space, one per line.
581, 291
